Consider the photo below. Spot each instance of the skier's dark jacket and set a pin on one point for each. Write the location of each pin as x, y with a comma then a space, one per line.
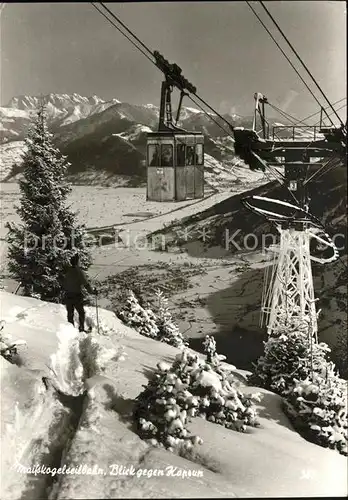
75, 279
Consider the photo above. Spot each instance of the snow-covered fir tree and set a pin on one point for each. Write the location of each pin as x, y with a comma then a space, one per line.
340, 350
317, 406
289, 355
190, 387
41, 247
315, 397
213, 357
168, 330
142, 320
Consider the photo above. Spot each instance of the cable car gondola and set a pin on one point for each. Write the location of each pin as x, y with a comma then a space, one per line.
175, 157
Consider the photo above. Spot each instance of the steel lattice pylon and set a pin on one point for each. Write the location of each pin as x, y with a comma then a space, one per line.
291, 296
305, 153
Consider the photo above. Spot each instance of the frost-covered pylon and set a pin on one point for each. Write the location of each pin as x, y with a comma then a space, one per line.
306, 153
288, 296
290, 292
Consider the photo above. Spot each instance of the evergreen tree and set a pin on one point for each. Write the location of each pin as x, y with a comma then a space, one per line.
290, 355
315, 398
213, 358
168, 330
43, 244
190, 387
318, 409
144, 321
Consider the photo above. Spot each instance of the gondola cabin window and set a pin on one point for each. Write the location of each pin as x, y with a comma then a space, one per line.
190, 155
166, 155
187, 155
160, 155
153, 154
180, 155
199, 154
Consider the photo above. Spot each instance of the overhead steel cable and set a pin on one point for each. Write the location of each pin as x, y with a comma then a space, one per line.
291, 119
126, 28
333, 164
152, 55
117, 27
299, 122
338, 109
209, 116
294, 124
215, 112
318, 112
285, 55
329, 163
151, 52
300, 59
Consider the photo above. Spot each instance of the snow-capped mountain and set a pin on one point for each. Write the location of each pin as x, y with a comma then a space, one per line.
101, 135
108, 137
60, 101
62, 109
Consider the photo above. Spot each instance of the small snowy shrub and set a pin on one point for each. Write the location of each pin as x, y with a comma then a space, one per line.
162, 410
144, 321
8, 346
318, 407
296, 367
189, 388
213, 358
227, 406
168, 330
288, 356
340, 350
160, 326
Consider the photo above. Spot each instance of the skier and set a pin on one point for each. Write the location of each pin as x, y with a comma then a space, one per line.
74, 281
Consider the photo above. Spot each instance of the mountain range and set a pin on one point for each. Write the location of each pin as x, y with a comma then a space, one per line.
105, 139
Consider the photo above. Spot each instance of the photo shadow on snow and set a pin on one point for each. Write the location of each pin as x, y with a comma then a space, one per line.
271, 409
241, 345
115, 402
167, 359
147, 371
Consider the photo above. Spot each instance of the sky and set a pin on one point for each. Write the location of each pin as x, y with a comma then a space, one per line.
221, 47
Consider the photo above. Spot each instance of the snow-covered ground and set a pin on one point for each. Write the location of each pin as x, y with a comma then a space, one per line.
96, 206
88, 423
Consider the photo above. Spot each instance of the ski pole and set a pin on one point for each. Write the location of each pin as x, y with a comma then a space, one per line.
96, 309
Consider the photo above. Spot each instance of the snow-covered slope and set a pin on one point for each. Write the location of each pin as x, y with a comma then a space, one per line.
10, 155
42, 426
13, 124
